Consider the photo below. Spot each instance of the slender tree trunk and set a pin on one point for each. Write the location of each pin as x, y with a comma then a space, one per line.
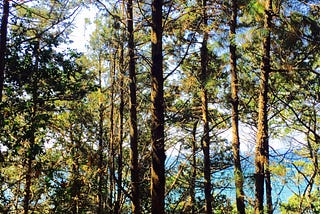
205, 142
120, 153
27, 191
194, 169
100, 148
268, 184
75, 188
112, 142
157, 111
238, 176
262, 173
3, 42
135, 178
117, 209
76, 183
313, 154
267, 66
34, 111
3, 47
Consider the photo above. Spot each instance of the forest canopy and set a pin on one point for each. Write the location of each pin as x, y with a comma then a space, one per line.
179, 106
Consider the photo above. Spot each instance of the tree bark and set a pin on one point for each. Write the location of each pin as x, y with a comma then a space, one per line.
76, 182
27, 191
262, 173
117, 209
238, 176
34, 111
112, 136
3, 42
157, 111
205, 142
194, 169
100, 209
313, 155
135, 178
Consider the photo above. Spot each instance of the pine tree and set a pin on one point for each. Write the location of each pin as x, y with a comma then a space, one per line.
238, 176
3, 44
262, 173
157, 110
205, 142
135, 178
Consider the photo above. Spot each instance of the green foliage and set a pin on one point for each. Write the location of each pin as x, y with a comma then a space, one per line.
297, 204
55, 102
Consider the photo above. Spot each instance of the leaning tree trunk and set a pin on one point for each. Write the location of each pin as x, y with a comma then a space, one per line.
262, 173
157, 111
134, 168
3, 42
238, 176
205, 142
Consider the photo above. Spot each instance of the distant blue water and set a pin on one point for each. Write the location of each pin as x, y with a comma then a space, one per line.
282, 186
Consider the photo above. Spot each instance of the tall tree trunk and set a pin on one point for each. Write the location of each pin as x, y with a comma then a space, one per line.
112, 140
262, 173
135, 178
34, 111
205, 142
3, 42
101, 168
157, 111
3, 47
238, 176
194, 169
117, 209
